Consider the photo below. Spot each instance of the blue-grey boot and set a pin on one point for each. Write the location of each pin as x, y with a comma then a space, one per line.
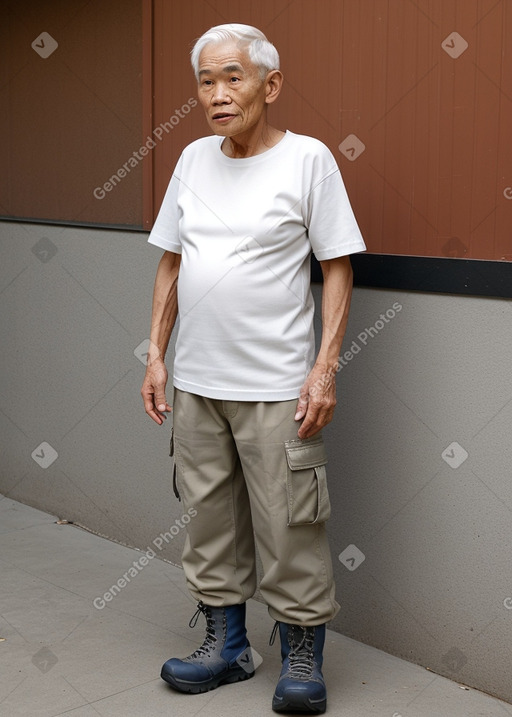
301, 686
225, 655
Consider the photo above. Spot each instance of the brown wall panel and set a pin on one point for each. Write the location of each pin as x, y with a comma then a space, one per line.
432, 178
70, 120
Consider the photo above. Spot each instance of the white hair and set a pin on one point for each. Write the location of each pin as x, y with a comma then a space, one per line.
262, 53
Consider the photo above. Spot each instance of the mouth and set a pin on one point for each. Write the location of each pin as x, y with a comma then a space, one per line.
222, 116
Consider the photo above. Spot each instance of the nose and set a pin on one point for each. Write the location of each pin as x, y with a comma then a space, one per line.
220, 94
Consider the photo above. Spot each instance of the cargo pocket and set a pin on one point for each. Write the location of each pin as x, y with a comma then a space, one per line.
171, 453
306, 482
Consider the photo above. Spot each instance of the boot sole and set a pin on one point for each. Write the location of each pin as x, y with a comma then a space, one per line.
195, 688
304, 706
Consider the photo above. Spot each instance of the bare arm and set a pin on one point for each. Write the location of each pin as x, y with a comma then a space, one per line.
163, 317
318, 394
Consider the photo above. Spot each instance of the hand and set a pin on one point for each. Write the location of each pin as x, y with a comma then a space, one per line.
317, 401
153, 391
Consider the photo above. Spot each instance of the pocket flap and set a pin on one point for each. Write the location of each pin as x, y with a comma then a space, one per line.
305, 454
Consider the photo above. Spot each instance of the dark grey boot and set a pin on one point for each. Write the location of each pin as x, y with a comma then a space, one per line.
225, 655
301, 686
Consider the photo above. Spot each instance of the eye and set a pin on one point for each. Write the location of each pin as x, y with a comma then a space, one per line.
234, 79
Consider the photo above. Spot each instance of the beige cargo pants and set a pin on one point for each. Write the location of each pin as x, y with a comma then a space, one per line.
250, 479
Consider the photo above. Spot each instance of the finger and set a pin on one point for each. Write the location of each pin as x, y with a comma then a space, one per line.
317, 416
308, 434
164, 408
309, 421
156, 416
161, 401
149, 406
315, 421
154, 413
302, 408
309, 428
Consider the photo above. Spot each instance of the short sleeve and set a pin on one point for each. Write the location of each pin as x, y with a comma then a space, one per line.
165, 232
332, 227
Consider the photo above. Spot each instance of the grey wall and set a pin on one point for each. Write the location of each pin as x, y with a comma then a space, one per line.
419, 449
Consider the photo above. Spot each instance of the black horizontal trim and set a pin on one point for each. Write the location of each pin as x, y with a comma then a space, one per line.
68, 223
424, 273
473, 277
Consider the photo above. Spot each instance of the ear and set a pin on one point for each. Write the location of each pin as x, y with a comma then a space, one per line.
273, 84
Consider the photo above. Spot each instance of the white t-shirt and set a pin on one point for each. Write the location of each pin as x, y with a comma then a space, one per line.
245, 229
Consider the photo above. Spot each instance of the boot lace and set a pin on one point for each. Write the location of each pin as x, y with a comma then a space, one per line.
210, 639
301, 655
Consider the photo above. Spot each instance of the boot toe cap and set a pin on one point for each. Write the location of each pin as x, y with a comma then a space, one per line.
300, 696
184, 671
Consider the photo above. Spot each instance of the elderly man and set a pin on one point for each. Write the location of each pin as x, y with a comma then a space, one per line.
243, 212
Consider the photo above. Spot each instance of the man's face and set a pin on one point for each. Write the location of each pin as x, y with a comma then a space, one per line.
230, 89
